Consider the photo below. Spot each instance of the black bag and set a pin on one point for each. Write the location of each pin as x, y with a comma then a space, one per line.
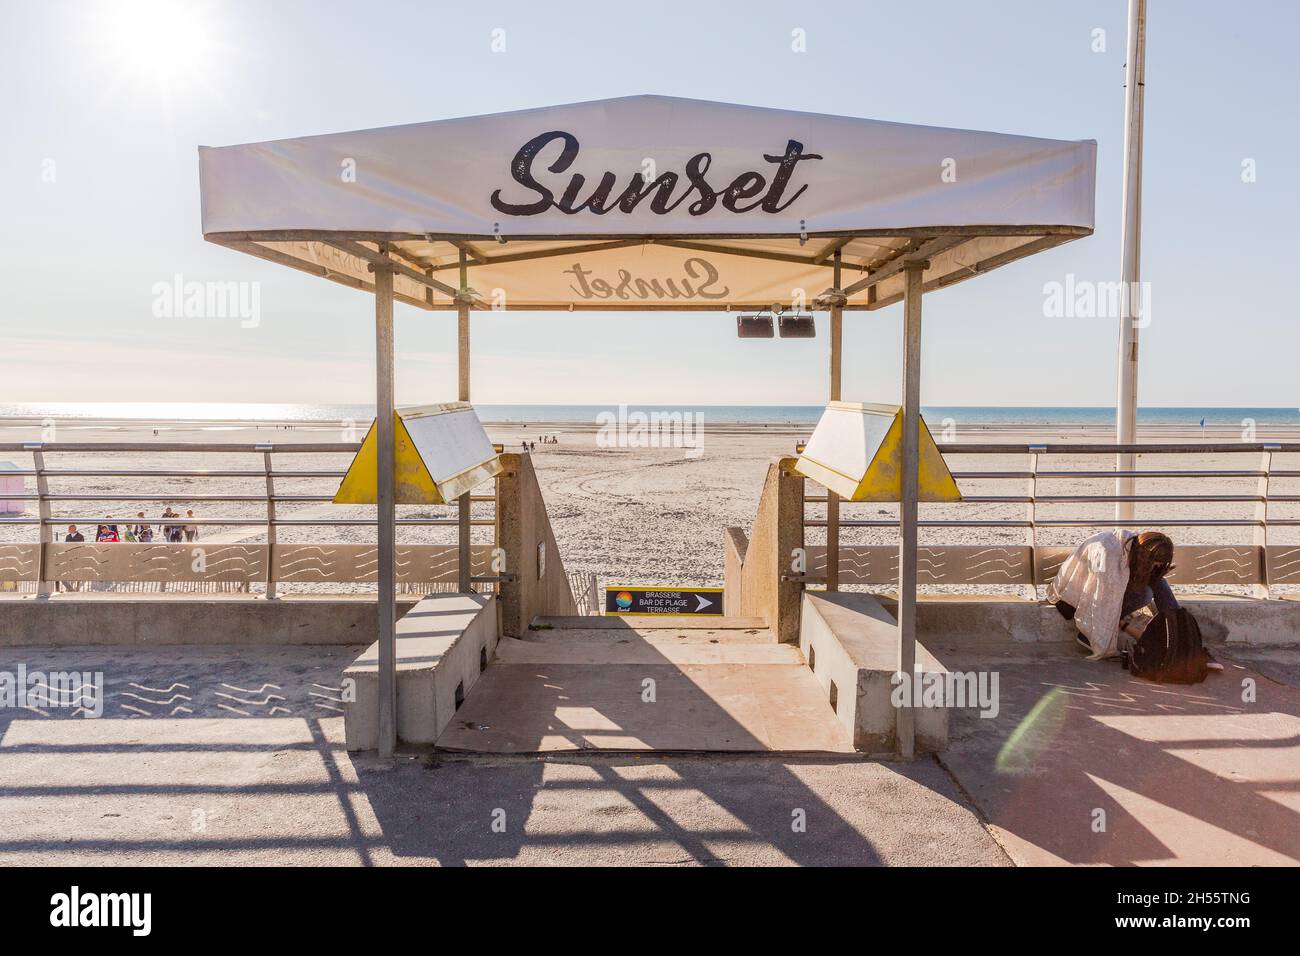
1169, 650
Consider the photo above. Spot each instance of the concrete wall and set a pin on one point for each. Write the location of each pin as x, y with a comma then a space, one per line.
443, 644
954, 623
132, 620
778, 532
522, 525
851, 644
735, 543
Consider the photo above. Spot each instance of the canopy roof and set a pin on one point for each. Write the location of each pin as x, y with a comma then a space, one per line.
649, 202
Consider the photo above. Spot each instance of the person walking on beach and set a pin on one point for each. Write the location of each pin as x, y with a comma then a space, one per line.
107, 532
143, 532
191, 530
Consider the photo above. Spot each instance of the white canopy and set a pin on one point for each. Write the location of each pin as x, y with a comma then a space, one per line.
649, 202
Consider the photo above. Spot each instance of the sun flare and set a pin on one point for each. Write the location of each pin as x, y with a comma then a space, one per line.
164, 44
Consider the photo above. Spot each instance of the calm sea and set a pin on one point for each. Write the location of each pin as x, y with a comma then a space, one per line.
530, 414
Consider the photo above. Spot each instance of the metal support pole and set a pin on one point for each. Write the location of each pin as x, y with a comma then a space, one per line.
270, 524
385, 437
1031, 532
907, 507
832, 499
1130, 253
46, 532
464, 571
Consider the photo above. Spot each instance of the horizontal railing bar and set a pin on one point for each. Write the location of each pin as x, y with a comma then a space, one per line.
1163, 473
950, 448
178, 473
181, 520
996, 474
1209, 448
339, 473
1106, 499
1110, 499
1025, 475
195, 498
1065, 523
214, 447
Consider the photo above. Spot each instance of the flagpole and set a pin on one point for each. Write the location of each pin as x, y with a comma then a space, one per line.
1130, 252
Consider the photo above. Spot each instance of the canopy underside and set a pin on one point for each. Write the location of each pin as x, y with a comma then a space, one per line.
649, 274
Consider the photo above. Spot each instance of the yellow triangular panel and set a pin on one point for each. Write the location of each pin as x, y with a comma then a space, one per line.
856, 451
411, 479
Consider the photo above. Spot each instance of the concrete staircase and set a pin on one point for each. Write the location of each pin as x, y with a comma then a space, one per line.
669, 684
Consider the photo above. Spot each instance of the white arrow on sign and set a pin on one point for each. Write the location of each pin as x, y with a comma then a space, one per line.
704, 602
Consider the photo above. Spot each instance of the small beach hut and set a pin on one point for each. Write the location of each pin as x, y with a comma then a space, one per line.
648, 203
11, 485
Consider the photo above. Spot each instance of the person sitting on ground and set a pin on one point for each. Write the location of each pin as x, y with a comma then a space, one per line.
1112, 586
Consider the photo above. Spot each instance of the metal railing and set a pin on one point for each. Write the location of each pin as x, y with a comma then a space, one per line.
270, 497
1260, 519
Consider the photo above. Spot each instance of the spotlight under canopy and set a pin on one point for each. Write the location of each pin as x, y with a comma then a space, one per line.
794, 326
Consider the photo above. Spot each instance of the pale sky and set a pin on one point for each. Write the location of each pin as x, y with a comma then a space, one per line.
104, 104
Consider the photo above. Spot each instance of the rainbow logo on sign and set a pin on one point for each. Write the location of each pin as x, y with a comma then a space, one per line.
623, 599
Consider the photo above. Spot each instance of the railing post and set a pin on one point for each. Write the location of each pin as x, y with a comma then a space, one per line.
1263, 589
270, 521
1032, 533
43, 583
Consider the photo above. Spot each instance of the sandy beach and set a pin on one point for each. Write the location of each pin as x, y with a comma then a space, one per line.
649, 515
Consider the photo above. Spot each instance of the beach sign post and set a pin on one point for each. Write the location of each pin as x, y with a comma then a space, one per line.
440, 452
856, 451
630, 601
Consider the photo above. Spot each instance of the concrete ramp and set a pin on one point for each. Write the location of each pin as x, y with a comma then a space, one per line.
604, 684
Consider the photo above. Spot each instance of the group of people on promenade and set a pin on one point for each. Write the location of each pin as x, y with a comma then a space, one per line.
142, 532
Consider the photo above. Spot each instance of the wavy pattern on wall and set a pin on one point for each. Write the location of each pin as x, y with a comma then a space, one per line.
157, 562
1284, 564
18, 562
360, 562
966, 564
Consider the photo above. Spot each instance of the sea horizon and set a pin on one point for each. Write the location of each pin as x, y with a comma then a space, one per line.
309, 413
